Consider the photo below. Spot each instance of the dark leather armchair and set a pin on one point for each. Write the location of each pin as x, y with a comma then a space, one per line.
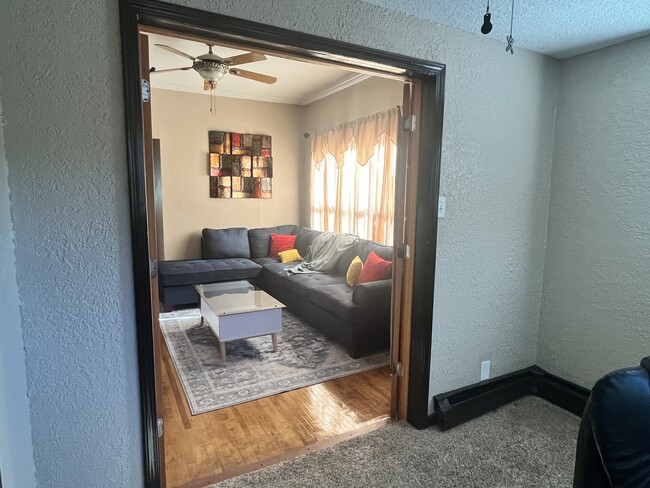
614, 439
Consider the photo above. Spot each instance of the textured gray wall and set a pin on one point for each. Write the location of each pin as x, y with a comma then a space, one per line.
496, 166
67, 173
595, 314
64, 141
16, 455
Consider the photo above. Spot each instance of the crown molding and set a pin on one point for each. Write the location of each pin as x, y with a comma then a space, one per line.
341, 85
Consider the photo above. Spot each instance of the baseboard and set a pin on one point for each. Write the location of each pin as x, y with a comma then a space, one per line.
561, 392
458, 406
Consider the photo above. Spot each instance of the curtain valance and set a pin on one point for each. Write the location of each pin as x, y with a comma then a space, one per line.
363, 133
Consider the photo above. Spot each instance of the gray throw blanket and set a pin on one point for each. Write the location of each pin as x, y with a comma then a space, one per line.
324, 252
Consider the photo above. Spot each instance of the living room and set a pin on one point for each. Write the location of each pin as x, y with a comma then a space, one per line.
204, 153
541, 259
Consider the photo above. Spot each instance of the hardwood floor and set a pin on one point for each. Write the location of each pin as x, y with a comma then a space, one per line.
216, 445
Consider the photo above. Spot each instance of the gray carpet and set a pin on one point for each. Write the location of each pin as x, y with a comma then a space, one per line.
252, 370
529, 443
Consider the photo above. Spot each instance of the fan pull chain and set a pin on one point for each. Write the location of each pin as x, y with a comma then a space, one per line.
509, 38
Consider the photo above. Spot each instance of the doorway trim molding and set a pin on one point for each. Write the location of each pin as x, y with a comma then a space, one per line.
153, 14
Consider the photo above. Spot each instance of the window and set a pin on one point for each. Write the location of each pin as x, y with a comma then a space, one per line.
354, 192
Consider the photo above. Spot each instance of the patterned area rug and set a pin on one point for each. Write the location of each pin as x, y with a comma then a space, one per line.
252, 370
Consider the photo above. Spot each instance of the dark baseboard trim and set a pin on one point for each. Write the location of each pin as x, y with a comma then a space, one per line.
459, 406
561, 392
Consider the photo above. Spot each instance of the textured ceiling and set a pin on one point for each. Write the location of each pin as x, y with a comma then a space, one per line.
558, 28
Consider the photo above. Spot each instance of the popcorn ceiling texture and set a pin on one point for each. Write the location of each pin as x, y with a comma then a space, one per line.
556, 28
595, 313
16, 453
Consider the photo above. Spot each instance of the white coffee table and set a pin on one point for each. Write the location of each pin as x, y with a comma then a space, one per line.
237, 310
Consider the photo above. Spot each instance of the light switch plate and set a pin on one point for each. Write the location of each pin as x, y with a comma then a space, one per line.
442, 207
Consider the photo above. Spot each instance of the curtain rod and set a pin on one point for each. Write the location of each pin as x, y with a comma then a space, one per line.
307, 135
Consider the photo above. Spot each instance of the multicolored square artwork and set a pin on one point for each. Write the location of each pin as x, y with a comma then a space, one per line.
241, 165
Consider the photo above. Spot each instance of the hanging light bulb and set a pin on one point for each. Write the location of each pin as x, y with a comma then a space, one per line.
487, 25
509, 38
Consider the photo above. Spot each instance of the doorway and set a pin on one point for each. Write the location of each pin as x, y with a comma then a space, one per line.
412, 356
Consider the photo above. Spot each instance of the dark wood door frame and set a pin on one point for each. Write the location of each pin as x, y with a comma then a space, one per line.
153, 14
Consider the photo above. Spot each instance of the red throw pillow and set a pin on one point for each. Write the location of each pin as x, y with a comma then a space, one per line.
281, 243
375, 269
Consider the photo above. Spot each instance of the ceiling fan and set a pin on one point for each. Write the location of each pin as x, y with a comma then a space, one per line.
212, 67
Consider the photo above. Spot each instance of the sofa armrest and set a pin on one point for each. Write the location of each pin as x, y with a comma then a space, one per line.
374, 293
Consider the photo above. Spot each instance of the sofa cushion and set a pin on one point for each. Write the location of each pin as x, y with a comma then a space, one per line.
263, 261
304, 240
365, 247
301, 284
279, 243
344, 261
275, 274
375, 269
195, 271
260, 239
225, 243
354, 271
290, 256
336, 299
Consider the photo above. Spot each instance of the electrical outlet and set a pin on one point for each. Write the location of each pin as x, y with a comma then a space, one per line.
485, 370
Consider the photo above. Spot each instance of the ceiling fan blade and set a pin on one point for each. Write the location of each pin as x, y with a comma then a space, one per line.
154, 70
175, 51
244, 58
269, 80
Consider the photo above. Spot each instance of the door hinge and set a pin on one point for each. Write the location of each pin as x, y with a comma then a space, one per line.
403, 251
161, 427
397, 369
146, 92
153, 268
409, 123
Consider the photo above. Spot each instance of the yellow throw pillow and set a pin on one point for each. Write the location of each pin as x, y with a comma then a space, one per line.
290, 256
354, 271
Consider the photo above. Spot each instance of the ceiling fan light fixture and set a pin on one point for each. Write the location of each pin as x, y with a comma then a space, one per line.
212, 73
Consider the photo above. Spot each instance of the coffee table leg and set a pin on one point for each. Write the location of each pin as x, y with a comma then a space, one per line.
222, 346
274, 338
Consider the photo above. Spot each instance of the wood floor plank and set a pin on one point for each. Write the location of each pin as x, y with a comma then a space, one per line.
213, 444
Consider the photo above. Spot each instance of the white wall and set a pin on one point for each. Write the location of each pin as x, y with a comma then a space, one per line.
65, 145
181, 121
16, 453
595, 313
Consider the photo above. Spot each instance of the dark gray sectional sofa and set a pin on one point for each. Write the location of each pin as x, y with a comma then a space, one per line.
358, 317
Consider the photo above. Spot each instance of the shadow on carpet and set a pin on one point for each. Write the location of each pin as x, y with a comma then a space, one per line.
252, 370
528, 443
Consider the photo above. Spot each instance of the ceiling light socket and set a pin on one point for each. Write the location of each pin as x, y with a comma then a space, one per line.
487, 25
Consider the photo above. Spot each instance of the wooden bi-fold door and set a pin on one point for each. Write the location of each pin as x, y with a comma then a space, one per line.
404, 248
152, 241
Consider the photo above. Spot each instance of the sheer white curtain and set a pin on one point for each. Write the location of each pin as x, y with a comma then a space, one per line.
353, 177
